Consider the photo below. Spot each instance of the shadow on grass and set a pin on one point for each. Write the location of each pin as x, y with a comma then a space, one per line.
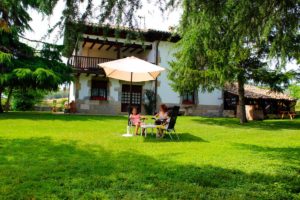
183, 137
265, 125
42, 168
58, 117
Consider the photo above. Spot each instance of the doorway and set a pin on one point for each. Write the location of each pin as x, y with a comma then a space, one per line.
136, 97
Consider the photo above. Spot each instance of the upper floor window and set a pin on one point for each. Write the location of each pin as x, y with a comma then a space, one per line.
99, 90
188, 98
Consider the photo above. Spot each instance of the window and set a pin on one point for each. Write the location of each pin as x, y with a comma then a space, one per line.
136, 97
188, 98
230, 101
99, 90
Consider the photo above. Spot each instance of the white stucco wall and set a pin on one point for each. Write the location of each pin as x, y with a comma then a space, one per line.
166, 52
113, 94
212, 98
72, 92
113, 90
85, 89
164, 90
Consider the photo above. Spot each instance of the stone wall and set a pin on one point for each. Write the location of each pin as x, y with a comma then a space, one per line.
98, 107
202, 110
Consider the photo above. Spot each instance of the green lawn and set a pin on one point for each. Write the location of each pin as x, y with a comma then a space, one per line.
84, 157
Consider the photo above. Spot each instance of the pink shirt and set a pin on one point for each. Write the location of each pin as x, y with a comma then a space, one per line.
135, 119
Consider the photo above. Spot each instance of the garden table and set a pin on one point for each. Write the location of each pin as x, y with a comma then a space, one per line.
146, 126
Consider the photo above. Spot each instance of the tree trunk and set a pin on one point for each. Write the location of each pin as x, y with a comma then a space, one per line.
241, 91
6, 108
1, 109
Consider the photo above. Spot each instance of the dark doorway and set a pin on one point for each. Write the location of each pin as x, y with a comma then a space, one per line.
136, 97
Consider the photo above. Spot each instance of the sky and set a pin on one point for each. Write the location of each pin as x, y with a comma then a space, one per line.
153, 17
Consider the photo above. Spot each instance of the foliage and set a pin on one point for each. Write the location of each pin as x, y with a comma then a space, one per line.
297, 107
295, 91
229, 41
26, 99
24, 68
149, 102
3, 100
57, 95
85, 157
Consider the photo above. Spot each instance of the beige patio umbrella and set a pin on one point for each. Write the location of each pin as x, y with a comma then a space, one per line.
131, 69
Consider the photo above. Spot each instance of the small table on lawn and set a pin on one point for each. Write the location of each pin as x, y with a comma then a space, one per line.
146, 126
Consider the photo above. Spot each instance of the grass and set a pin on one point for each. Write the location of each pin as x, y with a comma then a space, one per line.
45, 156
297, 108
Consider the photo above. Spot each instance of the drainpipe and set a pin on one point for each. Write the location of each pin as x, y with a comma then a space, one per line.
155, 83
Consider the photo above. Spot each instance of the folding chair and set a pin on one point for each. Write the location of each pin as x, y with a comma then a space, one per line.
170, 128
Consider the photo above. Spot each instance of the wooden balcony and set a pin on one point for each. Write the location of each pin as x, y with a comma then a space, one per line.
88, 65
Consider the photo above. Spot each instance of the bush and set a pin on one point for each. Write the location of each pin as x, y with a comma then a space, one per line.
3, 101
149, 102
298, 106
24, 100
57, 95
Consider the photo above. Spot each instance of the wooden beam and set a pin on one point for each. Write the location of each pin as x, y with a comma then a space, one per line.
118, 47
133, 50
85, 40
118, 52
110, 46
94, 44
140, 51
84, 43
124, 50
100, 47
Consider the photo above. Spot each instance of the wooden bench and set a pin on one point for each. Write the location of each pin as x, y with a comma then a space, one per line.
290, 114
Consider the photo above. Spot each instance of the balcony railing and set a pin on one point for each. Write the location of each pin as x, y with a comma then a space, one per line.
87, 64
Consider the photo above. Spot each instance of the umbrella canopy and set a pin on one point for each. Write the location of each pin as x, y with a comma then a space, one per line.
131, 69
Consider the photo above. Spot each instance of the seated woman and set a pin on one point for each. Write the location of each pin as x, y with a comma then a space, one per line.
136, 119
161, 128
162, 115
161, 119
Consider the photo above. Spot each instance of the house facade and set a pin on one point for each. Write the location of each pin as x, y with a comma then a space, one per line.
94, 93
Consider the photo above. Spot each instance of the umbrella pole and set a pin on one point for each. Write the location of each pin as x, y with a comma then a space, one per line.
130, 100
128, 134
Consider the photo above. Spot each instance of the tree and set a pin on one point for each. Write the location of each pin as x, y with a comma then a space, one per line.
230, 41
295, 91
22, 67
25, 99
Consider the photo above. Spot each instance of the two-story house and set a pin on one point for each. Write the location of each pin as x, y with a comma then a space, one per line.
94, 93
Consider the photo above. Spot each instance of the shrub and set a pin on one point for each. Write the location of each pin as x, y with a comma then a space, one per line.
24, 100
149, 102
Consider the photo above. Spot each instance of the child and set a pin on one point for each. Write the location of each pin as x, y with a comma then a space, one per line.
135, 119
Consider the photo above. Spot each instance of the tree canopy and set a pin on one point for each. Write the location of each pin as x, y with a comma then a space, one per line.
22, 66
231, 41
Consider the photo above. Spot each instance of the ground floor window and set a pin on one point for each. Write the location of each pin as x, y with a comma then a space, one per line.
136, 97
230, 101
188, 98
99, 90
